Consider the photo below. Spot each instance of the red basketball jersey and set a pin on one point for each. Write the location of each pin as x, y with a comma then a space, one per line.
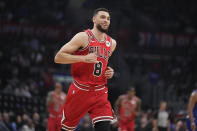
58, 101
127, 108
93, 74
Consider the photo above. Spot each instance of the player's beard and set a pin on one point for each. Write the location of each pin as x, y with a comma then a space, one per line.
99, 27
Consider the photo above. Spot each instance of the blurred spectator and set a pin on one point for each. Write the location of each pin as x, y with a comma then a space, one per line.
29, 126
5, 125
44, 123
85, 124
48, 80
25, 118
180, 126
23, 90
13, 121
19, 123
1, 118
8, 89
37, 122
145, 124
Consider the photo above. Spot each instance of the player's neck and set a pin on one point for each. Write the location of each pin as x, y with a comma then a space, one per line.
130, 97
161, 109
57, 93
98, 34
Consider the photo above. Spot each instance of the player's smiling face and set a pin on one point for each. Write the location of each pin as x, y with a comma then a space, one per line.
102, 21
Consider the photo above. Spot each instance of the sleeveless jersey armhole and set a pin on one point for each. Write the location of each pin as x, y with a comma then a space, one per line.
110, 39
111, 44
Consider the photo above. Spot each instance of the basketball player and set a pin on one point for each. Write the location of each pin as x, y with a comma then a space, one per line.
127, 107
89, 52
192, 112
55, 100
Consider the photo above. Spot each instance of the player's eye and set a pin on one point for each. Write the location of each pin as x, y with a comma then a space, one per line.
103, 17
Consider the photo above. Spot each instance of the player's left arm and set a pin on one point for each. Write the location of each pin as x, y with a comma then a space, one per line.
168, 125
168, 121
138, 107
192, 100
110, 71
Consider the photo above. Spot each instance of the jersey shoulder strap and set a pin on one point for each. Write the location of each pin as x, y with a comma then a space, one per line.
90, 35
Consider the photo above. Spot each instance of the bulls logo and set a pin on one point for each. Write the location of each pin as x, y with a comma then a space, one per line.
108, 43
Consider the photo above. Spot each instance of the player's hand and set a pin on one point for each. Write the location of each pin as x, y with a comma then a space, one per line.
109, 73
137, 113
114, 123
91, 58
193, 126
155, 129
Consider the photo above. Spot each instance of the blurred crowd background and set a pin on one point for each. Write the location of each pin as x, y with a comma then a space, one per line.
156, 53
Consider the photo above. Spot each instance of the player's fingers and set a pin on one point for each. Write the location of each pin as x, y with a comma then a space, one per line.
111, 71
107, 72
95, 55
109, 68
96, 61
108, 75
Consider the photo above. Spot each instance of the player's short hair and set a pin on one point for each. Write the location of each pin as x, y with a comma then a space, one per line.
163, 101
131, 88
58, 84
100, 9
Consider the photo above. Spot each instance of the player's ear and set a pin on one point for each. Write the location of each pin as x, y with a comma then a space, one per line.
93, 19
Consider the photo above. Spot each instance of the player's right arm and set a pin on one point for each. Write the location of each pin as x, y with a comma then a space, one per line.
155, 115
138, 107
49, 99
192, 101
65, 54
